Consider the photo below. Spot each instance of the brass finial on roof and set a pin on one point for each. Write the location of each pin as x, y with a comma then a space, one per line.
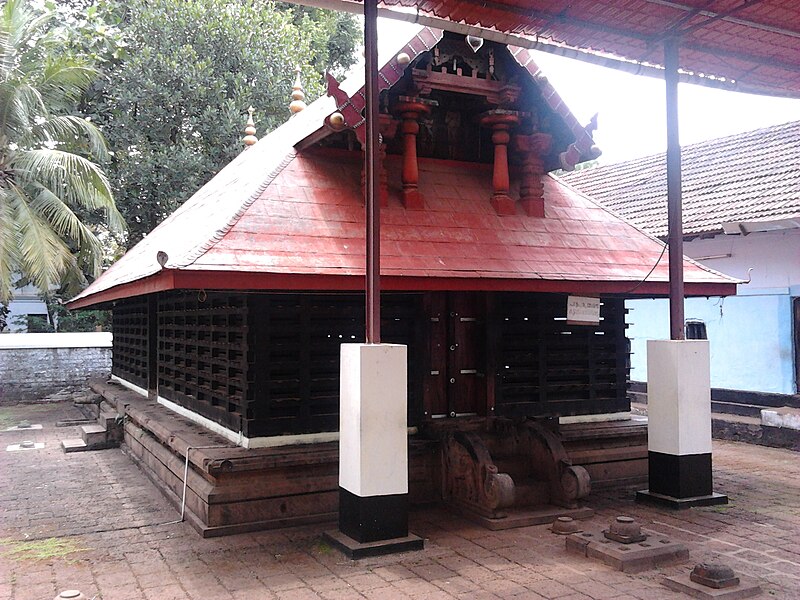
298, 95
250, 130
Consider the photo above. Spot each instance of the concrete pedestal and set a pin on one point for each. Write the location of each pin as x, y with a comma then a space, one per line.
679, 425
373, 452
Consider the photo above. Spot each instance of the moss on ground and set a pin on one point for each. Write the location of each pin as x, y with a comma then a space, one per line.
45, 549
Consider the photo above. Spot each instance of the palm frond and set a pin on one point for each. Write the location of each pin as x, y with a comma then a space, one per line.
23, 22
20, 103
9, 256
7, 53
67, 225
72, 131
43, 256
64, 80
77, 180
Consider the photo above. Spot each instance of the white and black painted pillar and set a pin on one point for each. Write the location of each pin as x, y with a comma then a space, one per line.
373, 452
679, 425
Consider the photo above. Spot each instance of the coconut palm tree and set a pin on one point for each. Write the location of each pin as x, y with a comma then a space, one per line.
48, 173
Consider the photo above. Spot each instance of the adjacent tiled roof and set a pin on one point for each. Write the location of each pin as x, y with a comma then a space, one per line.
276, 218
744, 178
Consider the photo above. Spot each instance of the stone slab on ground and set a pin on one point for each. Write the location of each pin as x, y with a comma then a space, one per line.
527, 516
355, 550
747, 588
655, 551
74, 445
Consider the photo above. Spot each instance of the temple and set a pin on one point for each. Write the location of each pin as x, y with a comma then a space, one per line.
506, 286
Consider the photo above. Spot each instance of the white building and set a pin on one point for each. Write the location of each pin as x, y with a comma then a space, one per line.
741, 216
26, 302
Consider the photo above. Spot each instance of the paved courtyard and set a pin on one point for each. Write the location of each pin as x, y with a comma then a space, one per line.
92, 521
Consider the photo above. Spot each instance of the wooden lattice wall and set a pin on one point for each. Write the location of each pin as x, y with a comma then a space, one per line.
294, 360
202, 353
547, 367
130, 353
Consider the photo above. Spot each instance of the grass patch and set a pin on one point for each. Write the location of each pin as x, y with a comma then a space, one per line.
41, 549
7, 419
322, 547
12, 415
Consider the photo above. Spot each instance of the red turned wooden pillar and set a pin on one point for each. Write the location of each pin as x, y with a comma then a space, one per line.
388, 128
410, 110
531, 190
501, 123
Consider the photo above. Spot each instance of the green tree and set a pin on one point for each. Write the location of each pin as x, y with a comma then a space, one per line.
173, 105
48, 173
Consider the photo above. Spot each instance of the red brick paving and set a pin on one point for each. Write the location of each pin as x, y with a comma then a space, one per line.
101, 503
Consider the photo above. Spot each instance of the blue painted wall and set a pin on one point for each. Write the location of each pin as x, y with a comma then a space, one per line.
750, 338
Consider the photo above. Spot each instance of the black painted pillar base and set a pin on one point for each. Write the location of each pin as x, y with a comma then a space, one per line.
373, 525
650, 497
373, 518
680, 481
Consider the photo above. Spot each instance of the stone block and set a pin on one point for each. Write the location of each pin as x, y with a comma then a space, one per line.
655, 551
747, 588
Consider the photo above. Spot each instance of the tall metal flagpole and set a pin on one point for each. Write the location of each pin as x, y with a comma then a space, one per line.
371, 159
674, 209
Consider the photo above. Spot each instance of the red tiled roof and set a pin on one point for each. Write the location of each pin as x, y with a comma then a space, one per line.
754, 46
744, 178
311, 220
278, 219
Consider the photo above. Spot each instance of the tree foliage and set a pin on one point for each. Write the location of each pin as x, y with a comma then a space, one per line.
49, 177
179, 79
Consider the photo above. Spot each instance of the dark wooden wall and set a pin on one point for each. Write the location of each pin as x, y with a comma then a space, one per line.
268, 364
294, 356
202, 353
130, 355
546, 367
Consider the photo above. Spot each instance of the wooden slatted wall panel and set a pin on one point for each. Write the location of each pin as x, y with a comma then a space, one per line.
294, 360
202, 354
129, 354
546, 367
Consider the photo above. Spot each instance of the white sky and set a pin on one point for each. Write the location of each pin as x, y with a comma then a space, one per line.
632, 118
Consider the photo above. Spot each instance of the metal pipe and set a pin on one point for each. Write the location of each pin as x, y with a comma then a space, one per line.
372, 171
674, 209
186, 481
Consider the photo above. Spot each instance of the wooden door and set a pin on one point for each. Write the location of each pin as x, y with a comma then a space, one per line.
456, 380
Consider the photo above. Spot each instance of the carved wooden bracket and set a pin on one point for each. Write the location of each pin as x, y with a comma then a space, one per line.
472, 480
549, 462
542, 471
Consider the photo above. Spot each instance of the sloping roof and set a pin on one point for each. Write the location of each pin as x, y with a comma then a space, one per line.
747, 46
276, 218
752, 177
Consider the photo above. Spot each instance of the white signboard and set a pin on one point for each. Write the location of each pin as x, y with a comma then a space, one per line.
582, 310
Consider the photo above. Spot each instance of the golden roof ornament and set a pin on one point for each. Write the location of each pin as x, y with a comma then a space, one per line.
298, 96
250, 130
